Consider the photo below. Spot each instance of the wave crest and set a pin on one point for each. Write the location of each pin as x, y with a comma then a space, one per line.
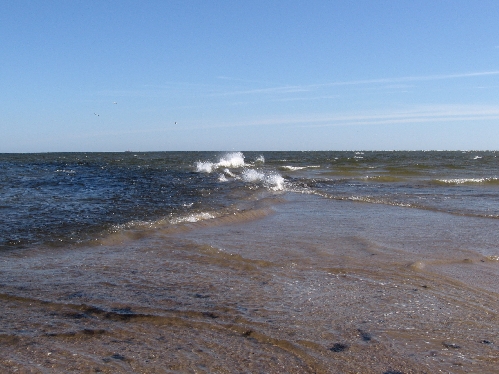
272, 181
229, 160
457, 181
235, 160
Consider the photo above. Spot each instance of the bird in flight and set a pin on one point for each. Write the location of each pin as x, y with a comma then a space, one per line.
96, 114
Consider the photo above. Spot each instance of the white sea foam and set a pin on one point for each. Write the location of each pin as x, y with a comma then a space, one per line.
195, 217
251, 175
204, 167
227, 167
293, 168
166, 221
226, 173
230, 160
229, 173
468, 180
272, 181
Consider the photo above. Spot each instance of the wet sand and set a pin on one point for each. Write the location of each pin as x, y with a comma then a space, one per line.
314, 286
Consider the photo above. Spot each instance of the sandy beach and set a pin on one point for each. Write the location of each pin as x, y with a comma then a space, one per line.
301, 284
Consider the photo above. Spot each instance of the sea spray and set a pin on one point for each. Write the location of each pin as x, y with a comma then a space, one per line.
236, 160
272, 181
230, 160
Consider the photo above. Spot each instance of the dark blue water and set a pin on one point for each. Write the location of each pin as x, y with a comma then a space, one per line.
60, 198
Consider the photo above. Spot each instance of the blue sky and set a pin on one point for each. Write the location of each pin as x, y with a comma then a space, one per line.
248, 75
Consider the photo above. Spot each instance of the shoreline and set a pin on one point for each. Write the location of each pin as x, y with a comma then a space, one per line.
317, 286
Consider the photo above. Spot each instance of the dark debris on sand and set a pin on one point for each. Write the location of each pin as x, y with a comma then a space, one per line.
451, 345
339, 347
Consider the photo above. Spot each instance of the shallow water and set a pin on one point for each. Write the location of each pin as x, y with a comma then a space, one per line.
297, 283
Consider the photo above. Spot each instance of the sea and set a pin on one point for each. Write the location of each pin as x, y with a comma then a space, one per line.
321, 262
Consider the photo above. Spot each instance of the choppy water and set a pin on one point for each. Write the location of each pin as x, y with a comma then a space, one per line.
60, 198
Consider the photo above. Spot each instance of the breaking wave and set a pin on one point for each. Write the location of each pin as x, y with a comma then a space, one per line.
272, 181
229, 168
230, 160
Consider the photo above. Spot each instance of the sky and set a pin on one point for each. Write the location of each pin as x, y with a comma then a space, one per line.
86, 76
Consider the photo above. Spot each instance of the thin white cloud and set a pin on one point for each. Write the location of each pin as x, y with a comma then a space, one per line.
442, 113
232, 79
412, 78
391, 81
269, 90
175, 88
325, 97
